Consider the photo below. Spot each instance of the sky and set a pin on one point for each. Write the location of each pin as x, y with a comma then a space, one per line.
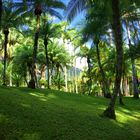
78, 19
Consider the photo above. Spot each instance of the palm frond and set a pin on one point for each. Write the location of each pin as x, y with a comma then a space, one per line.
53, 13
74, 7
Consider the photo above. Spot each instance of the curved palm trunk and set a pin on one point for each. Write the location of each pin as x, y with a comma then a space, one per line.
117, 29
47, 61
106, 89
6, 33
89, 73
134, 74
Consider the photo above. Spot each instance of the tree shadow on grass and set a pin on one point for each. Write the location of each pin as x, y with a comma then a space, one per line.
37, 116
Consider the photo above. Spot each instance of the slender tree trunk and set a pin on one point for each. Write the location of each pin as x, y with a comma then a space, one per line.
10, 80
6, 33
59, 78
47, 61
134, 74
106, 89
75, 89
66, 80
128, 87
33, 82
89, 75
117, 29
123, 86
42, 71
30, 84
120, 98
51, 73
134, 79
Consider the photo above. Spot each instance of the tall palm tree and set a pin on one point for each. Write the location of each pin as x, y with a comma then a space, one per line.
11, 18
114, 14
99, 23
59, 58
88, 54
22, 58
39, 8
49, 31
106, 89
117, 30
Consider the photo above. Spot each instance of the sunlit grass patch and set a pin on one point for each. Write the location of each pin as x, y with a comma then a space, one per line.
27, 114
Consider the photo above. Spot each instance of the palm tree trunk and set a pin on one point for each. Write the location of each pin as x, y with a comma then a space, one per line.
59, 78
47, 61
106, 89
10, 80
121, 93
89, 75
117, 30
120, 97
33, 81
134, 79
66, 80
127, 86
6, 32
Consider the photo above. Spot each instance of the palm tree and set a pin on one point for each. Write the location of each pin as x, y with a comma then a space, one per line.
78, 5
99, 24
59, 58
39, 8
117, 30
85, 52
49, 31
106, 89
11, 18
22, 58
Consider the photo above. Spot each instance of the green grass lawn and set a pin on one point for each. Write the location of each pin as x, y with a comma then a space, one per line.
27, 114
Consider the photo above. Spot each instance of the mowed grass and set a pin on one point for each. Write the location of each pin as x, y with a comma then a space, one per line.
27, 114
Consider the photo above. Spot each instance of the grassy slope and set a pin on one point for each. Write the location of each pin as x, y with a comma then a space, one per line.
38, 115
